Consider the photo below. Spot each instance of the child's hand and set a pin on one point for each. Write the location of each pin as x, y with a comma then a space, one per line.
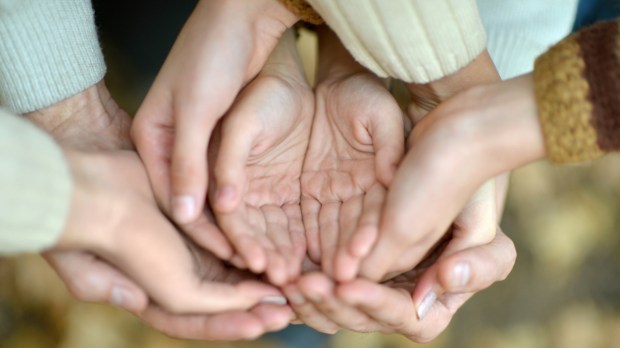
257, 169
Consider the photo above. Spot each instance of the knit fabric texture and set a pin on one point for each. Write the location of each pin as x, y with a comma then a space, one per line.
578, 94
35, 186
303, 11
49, 51
412, 40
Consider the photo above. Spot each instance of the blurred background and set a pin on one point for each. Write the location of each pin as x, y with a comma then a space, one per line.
564, 290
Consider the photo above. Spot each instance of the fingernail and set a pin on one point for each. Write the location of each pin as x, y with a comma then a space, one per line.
461, 275
426, 305
297, 298
279, 300
183, 208
225, 193
120, 297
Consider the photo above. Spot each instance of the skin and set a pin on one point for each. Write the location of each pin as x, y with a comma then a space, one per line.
258, 158
196, 86
356, 143
113, 209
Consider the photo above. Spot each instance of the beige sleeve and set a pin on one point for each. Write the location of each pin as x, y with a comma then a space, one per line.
35, 187
412, 40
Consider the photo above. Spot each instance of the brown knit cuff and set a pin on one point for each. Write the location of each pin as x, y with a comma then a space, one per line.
578, 94
303, 10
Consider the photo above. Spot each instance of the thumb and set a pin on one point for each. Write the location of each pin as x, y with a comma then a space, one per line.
230, 165
388, 137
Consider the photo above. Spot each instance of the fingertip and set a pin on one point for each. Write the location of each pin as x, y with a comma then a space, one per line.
226, 199
346, 267
184, 209
362, 241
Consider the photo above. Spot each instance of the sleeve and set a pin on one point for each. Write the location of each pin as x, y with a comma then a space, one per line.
577, 84
35, 187
49, 50
412, 40
520, 30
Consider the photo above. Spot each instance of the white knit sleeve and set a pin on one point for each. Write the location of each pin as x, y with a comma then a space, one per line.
521, 30
49, 51
412, 40
35, 187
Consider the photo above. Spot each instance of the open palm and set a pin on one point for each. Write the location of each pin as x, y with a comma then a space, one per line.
356, 142
258, 160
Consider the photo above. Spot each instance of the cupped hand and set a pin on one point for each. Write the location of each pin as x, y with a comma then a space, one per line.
356, 142
258, 158
409, 228
223, 45
92, 122
364, 306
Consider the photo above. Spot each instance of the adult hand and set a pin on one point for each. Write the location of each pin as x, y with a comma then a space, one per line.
401, 248
365, 306
91, 121
223, 45
356, 142
257, 169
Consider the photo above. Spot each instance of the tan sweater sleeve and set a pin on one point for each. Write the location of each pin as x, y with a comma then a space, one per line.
578, 94
412, 40
35, 187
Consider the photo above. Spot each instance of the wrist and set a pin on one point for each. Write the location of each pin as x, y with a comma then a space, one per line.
334, 60
88, 120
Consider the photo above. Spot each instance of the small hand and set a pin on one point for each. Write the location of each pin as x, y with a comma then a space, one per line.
257, 169
365, 306
406, 230
223, 45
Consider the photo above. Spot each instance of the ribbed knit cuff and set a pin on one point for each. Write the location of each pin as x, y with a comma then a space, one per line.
578, 94
411, 40
49, 51
36, 187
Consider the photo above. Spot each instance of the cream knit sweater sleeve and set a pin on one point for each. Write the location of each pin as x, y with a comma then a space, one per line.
412, 40
35, 187
49, 51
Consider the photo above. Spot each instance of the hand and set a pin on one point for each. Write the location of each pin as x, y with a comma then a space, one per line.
365, 306
474, 225
356, 142
258, 160
91, 121
223, 45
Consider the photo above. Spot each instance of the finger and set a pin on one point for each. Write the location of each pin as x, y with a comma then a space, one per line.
222, 326
232, 157
297, 233
388, 137
310, 209
319, 289
345, 265
368, 226
242, 234
391, 307
92, 280
278, 234
153, 136
476, 223
206, 234
307, 312
328, 234
468, 271
188, 169
273, 317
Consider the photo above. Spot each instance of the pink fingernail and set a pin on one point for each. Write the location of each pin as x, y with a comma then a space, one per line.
461, 275
426, 305
183, 208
